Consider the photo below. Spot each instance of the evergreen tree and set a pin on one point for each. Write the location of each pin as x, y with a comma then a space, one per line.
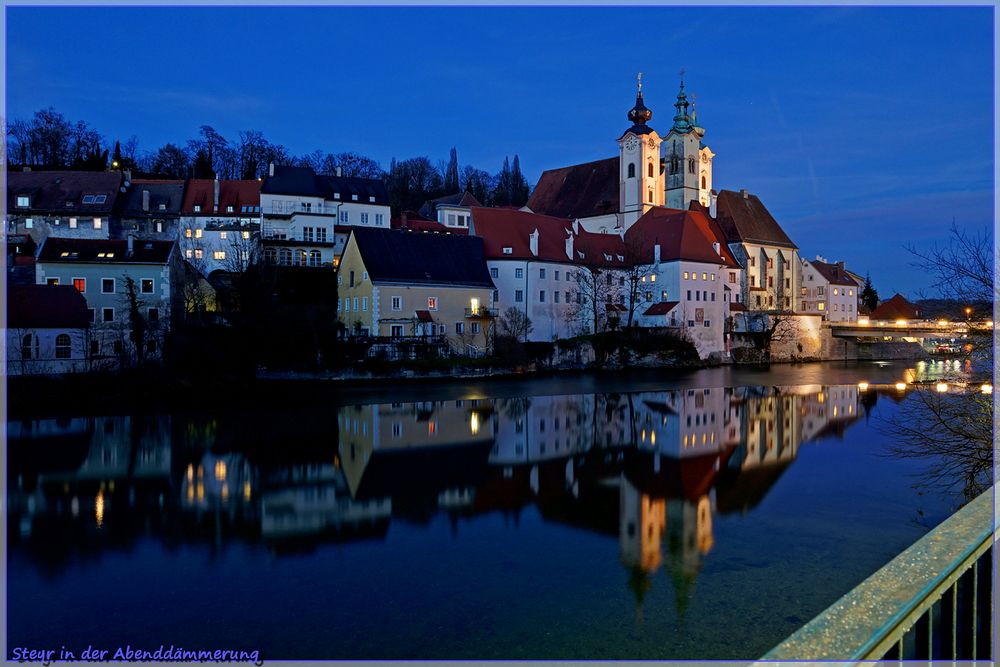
869, 297
202, 166
502, 193
116, 157
519, 185
451, 173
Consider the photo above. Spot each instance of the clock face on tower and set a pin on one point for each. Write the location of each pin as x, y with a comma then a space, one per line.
631, 144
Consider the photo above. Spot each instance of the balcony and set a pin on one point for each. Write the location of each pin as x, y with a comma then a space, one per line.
480, 313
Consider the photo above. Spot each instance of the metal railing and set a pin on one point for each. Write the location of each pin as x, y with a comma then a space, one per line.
933, 601
481, 312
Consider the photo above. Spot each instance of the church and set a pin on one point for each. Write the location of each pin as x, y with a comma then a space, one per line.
653, 173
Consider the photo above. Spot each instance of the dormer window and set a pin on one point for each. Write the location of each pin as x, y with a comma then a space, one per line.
620, 258
197, 208
100, 199
508, 251
23, 201
336, 195
354, 198
163, 207
607, 257
229, 209
88, 199
371, 199
580, 254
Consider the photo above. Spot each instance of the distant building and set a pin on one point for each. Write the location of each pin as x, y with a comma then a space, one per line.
150, 209
408, 284
220, 224
415, 222
453, 211
896, 308
100, 270
69, 204
20, 259
307, 217
829, 290
47, 330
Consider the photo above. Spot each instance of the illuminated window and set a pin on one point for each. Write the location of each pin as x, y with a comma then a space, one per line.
432, 303
80, 284
146, 285
219, 254
197, 233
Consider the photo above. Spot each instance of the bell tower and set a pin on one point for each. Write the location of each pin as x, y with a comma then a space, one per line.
687, 160
640, 179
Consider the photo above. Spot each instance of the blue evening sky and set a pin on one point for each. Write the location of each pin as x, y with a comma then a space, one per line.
862, 129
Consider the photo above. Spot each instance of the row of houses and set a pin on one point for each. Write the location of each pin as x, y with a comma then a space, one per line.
637, 240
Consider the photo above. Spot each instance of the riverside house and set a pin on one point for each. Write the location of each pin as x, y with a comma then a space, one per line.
400, 284
46, 330
77, 204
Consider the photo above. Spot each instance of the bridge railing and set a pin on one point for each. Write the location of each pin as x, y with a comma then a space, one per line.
932, 602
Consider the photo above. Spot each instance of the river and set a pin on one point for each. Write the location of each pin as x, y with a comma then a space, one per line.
650, 515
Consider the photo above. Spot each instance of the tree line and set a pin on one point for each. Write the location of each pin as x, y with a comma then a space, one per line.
49, 140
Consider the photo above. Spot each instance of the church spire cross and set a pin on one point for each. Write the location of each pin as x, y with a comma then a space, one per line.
640, 81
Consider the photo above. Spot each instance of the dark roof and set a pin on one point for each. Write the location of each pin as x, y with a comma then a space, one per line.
835, 274
687, 235
303, 181
201, 191
661, 308
594, 249
418, 223
55, 249
400, 256
896, 308
746, 219
580, 191
46, 307
168, 193
64, 191
508, 228
458, 199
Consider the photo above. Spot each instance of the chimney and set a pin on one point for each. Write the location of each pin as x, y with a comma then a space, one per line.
533, 241
145, 200
270, 170
656, 253
215, 198
820, 258
717, 247
339, 172
840, 265
131, 243
713, 203
745, 194
569, 246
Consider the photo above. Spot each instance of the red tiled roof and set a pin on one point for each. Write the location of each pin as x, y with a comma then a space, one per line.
686, 235
46, 307
578, 191
507, 228
201, 191
595, 249
835, 274
661, 308
417, 223
896, 308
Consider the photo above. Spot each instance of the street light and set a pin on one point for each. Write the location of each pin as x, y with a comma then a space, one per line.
968, 313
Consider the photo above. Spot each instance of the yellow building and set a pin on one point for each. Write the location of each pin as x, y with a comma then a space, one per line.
404, 284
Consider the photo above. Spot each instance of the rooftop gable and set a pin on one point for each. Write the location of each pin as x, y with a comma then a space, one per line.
578, 191
82, 192
304, 182
743, 218
835, 274
502, 228
242, 195
391, 255
681, 235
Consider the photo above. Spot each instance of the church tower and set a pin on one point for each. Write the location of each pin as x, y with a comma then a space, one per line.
687, 159
640, 179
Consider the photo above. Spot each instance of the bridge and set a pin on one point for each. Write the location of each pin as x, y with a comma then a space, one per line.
897, 329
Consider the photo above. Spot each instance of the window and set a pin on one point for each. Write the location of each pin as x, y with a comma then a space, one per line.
321, 234
28, 223
315, 258
708, 323
356, 309
541, 274
541, 296
344, 217
442, 328
690, 165
508, 251
732, 277
631, 170
107, 285
805, 291
555, 297
23, 201
187, 233
107, 314
689, 295
80, 284
494, 272
753, 261
153, 314
72, 223
704, 276
649, 169
364, 303
432, 303
163, 207
307, 234
836, 292
229, 209
396, 331
770, 263
713, 296
364, 218
686, 275
197, 233
459, 327
354, 198
146, 285
116, 347
91, 315
703, 182
397, 303
821, 291
246, 235
649, 195
97, 223
475, 327
821, 306
198, 254
29, 346
556, 276
770, 281
364, 276
197, 208
519, 273
219, 254
518, 296
51, 281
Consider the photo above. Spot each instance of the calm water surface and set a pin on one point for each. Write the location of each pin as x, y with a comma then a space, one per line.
698, 515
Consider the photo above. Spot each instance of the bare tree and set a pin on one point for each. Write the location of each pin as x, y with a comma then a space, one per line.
515, 323
598, 288
639, 272
963, 267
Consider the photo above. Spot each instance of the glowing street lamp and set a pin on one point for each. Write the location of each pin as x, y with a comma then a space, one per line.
986, 389
942, 387
900, 386
862, 386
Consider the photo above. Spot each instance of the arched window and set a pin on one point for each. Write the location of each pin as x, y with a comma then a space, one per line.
650, 170
650, 196
29, 347
315, 259
285, 257
62, 346
691, 165
301, 258
631, 170
270, 256
703, 181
